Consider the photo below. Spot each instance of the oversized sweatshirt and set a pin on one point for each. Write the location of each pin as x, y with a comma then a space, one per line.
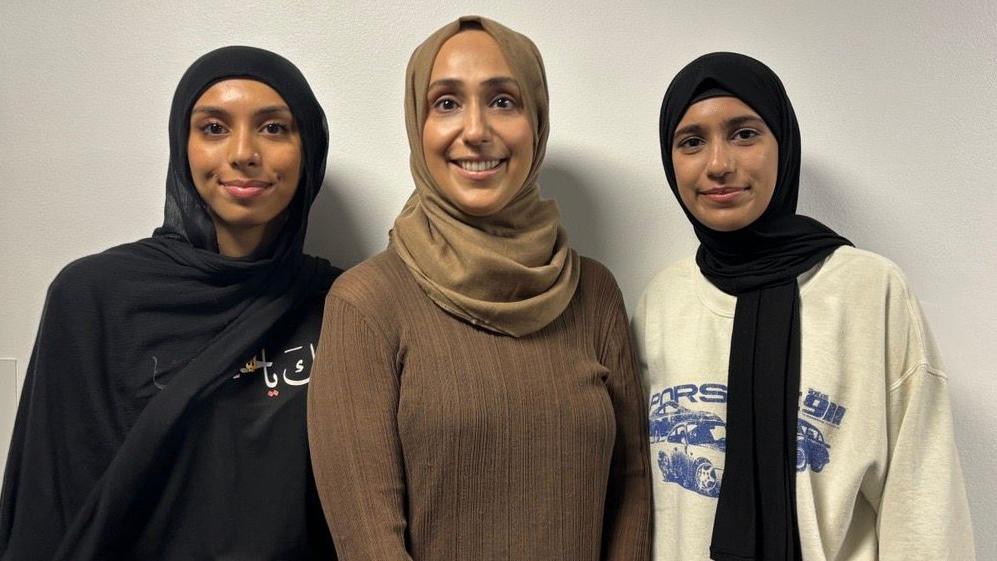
434, 440
878, 476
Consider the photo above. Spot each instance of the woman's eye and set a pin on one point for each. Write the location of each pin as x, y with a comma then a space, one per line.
212, 129
691, 143
745, 134
445, 104
275, 128
504, 102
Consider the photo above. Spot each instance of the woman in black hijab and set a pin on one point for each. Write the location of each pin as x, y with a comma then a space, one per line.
163, 410
798, 407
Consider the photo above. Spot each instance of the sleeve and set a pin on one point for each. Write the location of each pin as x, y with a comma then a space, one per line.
627, 521
923, 510
353, 436
65, 432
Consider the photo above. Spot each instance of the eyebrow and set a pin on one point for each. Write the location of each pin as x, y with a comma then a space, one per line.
729, 123
219, 112
491, 82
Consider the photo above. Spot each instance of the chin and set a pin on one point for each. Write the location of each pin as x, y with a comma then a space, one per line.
724, 223
244, 220
479, 211
479, 204
723, 226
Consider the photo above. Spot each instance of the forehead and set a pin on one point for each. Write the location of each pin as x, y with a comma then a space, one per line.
716, 110
471, 55
240, 91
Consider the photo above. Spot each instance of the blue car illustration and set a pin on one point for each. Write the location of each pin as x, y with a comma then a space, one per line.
668, 414
811, 448
694, 455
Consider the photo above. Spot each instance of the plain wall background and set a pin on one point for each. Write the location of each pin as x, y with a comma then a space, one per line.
896, 102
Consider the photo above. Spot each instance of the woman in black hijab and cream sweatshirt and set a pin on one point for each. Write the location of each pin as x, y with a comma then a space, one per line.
163, 410
798, 407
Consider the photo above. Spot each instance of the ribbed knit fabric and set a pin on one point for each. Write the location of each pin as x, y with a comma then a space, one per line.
433, 440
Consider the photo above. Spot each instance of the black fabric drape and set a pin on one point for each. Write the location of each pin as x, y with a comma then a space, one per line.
756, 512
132, 340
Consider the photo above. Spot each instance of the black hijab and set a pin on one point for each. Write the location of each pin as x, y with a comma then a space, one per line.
170, 305
756, 512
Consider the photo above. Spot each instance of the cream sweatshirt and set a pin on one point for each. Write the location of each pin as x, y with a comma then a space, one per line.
878, 476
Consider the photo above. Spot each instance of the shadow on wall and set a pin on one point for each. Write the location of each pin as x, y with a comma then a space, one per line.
576, 198
618, 215
825, 195
334, 227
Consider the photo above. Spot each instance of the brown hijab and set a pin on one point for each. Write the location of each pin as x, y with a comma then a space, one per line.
511, 272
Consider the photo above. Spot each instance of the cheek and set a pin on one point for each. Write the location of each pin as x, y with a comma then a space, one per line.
765, 169
436, 134
687, 172
199, 158
202, 162
518, 137
288, 162
688, 197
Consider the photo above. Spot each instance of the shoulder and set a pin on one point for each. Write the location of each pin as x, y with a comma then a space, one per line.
98, 272
377, 286
326, 273
597, 286
595, 274
371, 278
873, 296
858, 272
86, 286
683, 271
602, 305
672, 286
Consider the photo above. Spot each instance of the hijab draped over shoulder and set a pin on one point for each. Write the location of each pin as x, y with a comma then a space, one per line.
512, 272
152, 329
756, 512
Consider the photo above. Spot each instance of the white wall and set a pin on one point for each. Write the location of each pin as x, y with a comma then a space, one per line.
896, 101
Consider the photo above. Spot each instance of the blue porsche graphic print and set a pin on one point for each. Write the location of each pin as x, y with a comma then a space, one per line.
689, 444
670, 414
811, 449
693, 455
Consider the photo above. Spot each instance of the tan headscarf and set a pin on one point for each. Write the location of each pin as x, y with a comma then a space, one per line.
512, 272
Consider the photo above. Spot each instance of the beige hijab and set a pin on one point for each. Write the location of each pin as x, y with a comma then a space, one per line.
512, 272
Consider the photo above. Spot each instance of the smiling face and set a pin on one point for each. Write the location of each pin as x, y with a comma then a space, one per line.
477, 138
244, 151
726, 163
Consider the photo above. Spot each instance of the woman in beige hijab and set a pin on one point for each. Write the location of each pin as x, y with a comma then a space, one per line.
475, 395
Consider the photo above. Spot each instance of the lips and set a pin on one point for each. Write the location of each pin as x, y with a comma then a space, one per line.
478, 165
477, 169
723, 194
245, 189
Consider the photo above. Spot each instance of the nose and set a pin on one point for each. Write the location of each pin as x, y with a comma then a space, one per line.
477, 129
243, 152
721, 162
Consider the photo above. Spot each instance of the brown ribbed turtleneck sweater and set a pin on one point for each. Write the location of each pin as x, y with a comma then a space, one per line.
433, 440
